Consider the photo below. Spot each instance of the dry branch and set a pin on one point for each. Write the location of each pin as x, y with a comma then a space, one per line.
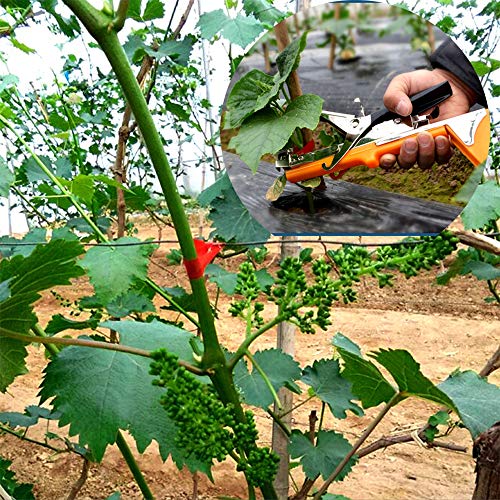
491, 365
479, 241
81, 480
386, 441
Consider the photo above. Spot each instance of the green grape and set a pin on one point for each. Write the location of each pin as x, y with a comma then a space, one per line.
202, 420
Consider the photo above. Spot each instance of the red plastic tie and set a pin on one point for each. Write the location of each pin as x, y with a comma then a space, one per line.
308, 148
206, 252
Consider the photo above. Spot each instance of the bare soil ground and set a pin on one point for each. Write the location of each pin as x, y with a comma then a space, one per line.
443, 327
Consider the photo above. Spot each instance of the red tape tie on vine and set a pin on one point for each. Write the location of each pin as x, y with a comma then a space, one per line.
206, 252
308, 148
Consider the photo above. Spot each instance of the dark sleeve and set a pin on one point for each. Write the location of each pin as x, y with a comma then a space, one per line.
448, 56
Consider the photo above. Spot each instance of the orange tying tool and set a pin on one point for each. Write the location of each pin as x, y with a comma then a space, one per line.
367, 138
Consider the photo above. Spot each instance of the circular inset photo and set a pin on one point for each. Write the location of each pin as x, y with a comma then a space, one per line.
355, 119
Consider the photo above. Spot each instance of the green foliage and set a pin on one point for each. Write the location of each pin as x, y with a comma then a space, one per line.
280, 368
6, 179
439, 418
123, 398
483, 265
154, 9
208, 429
240, 30
323, 457
407, 375
230, 218
31, 416
264, 11
21, 280
325, 380
113, 269
10, 484
254, 106
477, 401
266, 131
368, 383
483, 206
174, 257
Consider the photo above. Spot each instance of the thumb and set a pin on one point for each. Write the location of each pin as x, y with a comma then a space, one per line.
396, 96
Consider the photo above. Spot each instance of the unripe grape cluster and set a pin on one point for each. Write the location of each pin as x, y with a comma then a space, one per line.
208, 429
308, 305
202, 420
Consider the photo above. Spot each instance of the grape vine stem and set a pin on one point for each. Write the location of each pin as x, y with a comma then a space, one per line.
29, 339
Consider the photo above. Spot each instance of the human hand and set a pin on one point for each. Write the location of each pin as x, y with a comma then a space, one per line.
424, 149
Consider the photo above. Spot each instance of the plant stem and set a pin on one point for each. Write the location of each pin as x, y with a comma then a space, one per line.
100, 28
66, 193
39, 332
40, 337
250, 339
493, 290
392, 402
279, 422
133, 466
264, 376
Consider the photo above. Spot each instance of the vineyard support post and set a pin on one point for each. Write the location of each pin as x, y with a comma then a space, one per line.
285, 342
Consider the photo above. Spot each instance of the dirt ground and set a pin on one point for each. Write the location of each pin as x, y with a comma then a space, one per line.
443, 327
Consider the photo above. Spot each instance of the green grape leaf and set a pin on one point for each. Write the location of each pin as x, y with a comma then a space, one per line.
182, 298
32, 170
331, 496
280, 368
253, 91
456, 267
289, 59
231, 220
483, 206
35, 236
312, 183
6, 179
240, 30
45, 267
406, 372
115, 389
480, 67
16, 419
481, 270
446, 24
32, 414
113, 269
154, 10
368, 384
11, 485
322, 459
250, 93
178, 50
226, 280
12, 355
134, 10
477, 401
69, 26
131, 301
266, 132
82, 186
264, 11
325, 379
216, 189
